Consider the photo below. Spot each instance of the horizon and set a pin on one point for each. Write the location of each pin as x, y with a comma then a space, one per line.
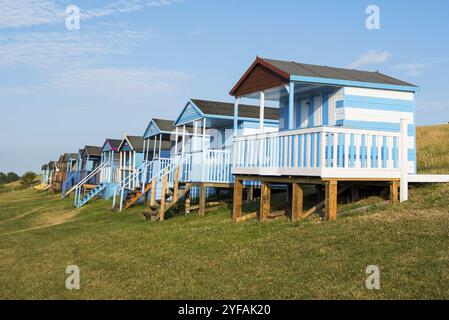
131, 61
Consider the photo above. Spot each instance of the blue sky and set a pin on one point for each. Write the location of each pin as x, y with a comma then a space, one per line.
134, 60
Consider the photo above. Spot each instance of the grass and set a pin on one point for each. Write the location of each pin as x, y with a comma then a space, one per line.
120, 255
10, 187
432, 147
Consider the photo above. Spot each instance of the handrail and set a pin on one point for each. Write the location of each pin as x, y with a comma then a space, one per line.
145, 166
70, 176
89, 176
172, 165
86, 179
326, 129
148, 167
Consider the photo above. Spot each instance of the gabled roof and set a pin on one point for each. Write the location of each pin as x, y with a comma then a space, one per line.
73, 156
92, 151
164, 125
218, 109
285, 71
113, 143
135, 142
158, 126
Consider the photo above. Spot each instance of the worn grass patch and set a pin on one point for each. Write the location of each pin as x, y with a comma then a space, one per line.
120, 255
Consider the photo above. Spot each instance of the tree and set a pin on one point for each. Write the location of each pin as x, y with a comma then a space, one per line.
28, 178
12, 177
2, 178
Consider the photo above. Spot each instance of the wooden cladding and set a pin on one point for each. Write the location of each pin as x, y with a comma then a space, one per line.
258, 79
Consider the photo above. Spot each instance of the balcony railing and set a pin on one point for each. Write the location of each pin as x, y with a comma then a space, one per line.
209, 166
327, 152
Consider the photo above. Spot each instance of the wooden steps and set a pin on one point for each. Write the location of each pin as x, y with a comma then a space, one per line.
157, 210
135, 195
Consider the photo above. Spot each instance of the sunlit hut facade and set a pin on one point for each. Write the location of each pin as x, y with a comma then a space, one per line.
338, 127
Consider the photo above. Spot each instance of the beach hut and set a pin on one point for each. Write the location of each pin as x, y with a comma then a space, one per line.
337, 128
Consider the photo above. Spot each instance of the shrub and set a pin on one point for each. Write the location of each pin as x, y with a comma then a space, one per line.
28, 178
2, 178
12, 177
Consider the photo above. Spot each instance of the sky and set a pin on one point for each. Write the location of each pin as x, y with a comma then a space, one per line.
130, 61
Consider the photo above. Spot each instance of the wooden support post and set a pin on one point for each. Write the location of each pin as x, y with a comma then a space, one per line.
237, 200
202, 210
250, 194
153, 192
331, 200
297, 202
355, 193
164, 190
176, 185
188, 202
265, 200
394, 192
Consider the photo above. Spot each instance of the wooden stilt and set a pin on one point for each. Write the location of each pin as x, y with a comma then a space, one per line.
164, 191
250, 194
202, 210
297, 202
176, 185
237, 200
355, 193
188, 202
331, 200
265, 200
153, 193
394, 192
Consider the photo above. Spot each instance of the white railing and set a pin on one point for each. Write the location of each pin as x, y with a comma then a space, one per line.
131, 180
212, 166
78, 187
150, 170
327, 152
217, 166
110, 174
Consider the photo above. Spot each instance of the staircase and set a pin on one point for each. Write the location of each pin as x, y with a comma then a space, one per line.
81, 186
157, 210
93, 193
170, 195
129, 194
135, 195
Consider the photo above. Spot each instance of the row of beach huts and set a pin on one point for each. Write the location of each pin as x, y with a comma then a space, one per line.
315, 125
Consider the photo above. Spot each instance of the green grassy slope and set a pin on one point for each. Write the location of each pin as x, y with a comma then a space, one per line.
122, 256
432, 145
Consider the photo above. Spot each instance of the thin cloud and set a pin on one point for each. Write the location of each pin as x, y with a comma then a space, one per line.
67, 49
118, 81
127, 83
412, 69
372, 57
28, 13
433, 105
416, 69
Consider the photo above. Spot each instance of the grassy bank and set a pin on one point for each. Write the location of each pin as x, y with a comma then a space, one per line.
122, 256
432, 145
